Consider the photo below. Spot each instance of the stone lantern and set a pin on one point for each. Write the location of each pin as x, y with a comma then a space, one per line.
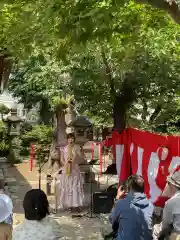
13, 126
13, 123
81, 127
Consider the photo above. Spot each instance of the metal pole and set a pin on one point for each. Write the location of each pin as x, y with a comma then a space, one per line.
39, 177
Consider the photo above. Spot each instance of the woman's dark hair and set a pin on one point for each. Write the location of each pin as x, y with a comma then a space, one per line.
136, 183
36, 205
71, 135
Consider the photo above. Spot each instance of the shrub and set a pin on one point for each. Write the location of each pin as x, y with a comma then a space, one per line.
41, 136
4, 146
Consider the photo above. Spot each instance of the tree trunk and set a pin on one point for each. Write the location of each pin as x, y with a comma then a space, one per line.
59, 140
155, 113
119, 114
61, 128
145, 110
123, 102
5, 69
45, 113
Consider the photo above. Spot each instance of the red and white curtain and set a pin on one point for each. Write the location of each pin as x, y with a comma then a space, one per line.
150, 155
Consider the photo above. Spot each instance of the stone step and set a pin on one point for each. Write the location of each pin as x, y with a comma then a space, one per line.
11, 181
3, 160
4, 165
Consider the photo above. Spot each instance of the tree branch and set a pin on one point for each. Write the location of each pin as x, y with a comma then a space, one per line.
108, 75
155, 113
5, 69
145, 110
171, 6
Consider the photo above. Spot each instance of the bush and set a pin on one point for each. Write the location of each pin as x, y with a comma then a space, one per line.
41, 136
4, 146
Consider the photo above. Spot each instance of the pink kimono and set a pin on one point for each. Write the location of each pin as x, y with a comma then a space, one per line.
69, 189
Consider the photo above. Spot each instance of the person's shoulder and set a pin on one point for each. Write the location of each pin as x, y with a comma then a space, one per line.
4, 195
149, 201
54, 227
121, 202
172, 201
51, 222
151, 205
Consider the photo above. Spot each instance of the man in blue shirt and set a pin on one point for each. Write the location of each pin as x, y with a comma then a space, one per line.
131, 217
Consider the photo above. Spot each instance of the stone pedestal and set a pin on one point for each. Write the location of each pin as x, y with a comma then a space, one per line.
3, 163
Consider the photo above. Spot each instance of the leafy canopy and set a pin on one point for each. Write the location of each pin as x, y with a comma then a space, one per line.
86, 38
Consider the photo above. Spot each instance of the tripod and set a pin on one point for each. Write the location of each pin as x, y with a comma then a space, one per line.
90, 213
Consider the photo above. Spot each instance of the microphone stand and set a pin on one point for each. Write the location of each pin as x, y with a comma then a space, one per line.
90, 213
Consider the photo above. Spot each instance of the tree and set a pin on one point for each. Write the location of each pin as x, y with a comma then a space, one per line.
122, 53
38, 80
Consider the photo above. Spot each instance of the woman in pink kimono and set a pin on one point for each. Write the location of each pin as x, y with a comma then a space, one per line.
69, 181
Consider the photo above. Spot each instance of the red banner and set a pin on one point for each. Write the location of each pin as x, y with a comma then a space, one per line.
150, 155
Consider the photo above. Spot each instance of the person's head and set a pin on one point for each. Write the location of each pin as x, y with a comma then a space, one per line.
135, 183
36, 206
71, 138
4, 210
173, 182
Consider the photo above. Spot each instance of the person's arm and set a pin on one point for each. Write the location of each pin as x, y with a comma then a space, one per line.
114, 216
120, 195
167, 220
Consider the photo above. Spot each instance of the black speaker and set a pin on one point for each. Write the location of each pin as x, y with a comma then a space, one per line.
102, 202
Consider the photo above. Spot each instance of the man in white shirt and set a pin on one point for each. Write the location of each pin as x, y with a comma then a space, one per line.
171, 214
8, 201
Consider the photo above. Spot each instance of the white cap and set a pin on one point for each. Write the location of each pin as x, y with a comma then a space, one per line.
8, 201
4, 211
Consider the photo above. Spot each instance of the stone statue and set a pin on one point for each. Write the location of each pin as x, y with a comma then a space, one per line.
58, 140
71, 114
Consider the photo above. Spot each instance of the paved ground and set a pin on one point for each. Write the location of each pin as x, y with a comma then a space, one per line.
21, 180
